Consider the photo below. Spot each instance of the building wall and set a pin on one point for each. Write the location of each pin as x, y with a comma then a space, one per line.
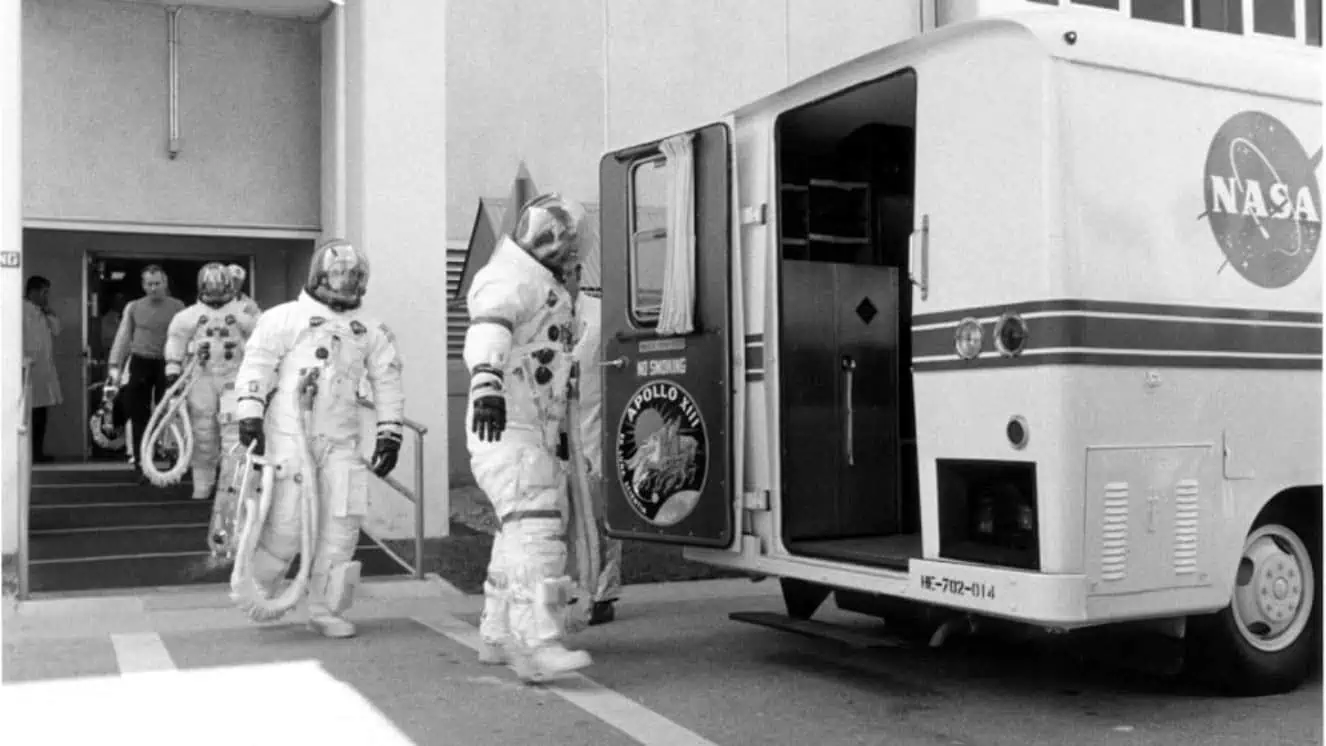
96, 116
619, 72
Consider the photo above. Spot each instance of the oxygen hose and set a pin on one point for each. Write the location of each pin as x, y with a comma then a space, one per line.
98, 421
171, 415
245, 590
588, 554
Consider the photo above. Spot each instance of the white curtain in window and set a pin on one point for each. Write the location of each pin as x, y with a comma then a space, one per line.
677, 314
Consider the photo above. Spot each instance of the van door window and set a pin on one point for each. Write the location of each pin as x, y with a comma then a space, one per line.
649, 240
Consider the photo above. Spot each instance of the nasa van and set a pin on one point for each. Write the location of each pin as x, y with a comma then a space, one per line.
1017, 320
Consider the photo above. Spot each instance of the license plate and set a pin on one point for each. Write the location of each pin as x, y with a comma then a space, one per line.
948, 587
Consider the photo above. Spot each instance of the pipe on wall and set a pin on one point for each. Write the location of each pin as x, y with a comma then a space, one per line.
173, 44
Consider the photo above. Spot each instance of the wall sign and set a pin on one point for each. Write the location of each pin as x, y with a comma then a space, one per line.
11, 259
1262, 199
662, 453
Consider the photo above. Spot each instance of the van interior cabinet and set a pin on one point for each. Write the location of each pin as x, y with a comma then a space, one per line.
840, 400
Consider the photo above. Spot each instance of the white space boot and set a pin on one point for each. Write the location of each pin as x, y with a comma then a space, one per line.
325, 613
492, 653
549, 662
328, 624
203, 481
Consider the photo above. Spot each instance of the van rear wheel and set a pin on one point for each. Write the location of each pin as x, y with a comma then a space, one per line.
1264, 641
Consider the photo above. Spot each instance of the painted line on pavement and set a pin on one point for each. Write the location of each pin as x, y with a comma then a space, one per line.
141, 652
647, 727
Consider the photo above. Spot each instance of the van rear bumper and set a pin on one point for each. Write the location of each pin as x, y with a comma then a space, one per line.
1018, 595
1032, 597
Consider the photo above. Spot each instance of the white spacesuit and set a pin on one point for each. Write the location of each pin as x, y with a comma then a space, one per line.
215, 330
306, 359
588, 351
518, 351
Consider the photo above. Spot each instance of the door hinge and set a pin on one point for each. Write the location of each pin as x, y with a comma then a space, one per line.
755, 214
755, 500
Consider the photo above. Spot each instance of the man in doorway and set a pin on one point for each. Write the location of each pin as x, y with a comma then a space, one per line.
40, 327
138, 357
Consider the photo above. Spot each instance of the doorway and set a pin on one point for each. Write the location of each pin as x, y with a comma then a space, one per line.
112, 282
82, 295
846, 183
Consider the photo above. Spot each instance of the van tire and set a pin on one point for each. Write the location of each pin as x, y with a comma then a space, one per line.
1225, 649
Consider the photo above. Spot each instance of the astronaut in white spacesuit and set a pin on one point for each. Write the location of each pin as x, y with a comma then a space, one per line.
518, 351
215, 330
306, 358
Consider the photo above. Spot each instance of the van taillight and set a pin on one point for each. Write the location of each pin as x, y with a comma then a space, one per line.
1010, 335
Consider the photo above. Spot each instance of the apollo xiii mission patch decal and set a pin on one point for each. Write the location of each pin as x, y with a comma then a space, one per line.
662, 453
1262, 199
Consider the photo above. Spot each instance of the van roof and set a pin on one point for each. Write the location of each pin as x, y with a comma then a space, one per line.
1104, 39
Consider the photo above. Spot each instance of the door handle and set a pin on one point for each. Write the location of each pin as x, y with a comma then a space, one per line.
849, 371
919, 267
617, 363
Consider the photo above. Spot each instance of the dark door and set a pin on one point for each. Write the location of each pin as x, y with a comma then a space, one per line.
666, 427
839, 367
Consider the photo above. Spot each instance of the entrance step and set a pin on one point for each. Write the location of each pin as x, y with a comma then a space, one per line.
109, 492
118, 514
165, 568
99, 528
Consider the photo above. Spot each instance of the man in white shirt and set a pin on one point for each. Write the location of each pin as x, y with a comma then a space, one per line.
40, 327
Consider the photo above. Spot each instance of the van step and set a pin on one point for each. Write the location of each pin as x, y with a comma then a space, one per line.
821, 630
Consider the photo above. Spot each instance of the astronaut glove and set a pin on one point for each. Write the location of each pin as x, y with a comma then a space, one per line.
386, 453
250, 432
489, 404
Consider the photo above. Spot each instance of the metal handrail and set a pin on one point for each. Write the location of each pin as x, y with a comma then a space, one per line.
25, 478
415, 496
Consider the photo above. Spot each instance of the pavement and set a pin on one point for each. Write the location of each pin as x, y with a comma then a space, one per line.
182, 666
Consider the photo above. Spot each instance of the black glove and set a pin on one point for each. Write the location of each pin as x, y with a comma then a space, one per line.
489, 417
489, 404
171, 378
385, 454
250, 432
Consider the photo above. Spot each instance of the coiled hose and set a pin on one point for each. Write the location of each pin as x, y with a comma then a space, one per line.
97, 422
171, 415
252, 513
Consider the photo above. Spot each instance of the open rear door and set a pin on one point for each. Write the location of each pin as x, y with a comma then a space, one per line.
667, 408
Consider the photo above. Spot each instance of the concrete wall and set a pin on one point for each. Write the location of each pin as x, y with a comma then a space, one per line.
393, 144
558, 84
59, 256
96, 117
12, 474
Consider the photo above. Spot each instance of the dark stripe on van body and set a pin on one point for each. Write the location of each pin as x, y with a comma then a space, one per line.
1124, 307
1138, 335
1077, 334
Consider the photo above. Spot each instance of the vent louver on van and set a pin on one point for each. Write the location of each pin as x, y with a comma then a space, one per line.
1186, 516
1114, 533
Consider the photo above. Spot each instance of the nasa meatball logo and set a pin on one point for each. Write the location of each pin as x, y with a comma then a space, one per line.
662, 453
1262, 199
